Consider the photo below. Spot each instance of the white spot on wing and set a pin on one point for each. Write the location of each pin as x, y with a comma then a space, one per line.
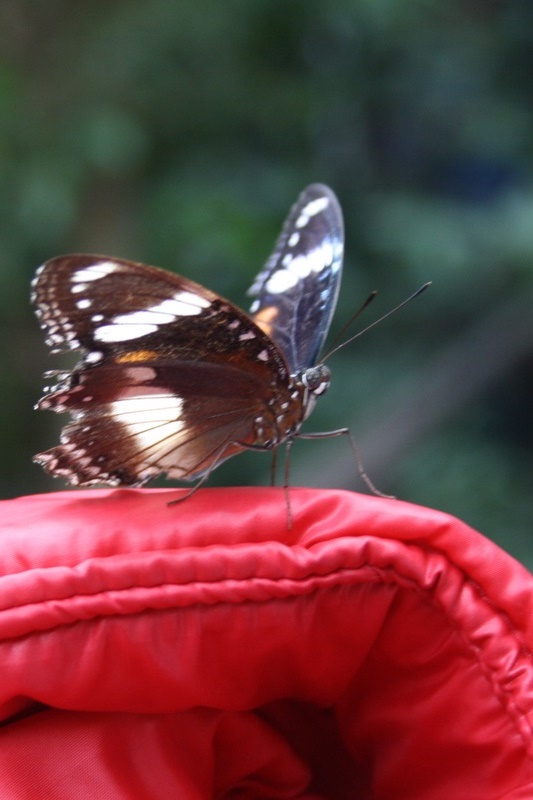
281, 281
151, 419
141, 374
190, 299
320, 257
310, 210
93, 357
300, 267
94, 272
122, 332
124, 327
84, 303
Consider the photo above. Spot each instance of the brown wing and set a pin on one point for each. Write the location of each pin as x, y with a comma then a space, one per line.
113, 308
174, 379
134, 422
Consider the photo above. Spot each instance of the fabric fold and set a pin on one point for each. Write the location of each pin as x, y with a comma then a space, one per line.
389, 640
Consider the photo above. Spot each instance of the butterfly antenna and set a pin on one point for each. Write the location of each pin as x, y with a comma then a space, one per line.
345, 327
337, 347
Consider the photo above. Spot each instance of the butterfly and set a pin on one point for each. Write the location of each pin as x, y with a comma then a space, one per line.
174, 379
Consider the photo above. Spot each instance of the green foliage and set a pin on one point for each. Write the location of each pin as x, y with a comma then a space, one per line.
180, 133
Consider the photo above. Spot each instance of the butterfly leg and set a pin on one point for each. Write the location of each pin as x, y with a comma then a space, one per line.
286, 482
357, 456
286, 471
273, 467
192, 490
219, 458
217, 461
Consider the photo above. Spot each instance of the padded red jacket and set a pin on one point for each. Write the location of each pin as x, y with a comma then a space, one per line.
377, 650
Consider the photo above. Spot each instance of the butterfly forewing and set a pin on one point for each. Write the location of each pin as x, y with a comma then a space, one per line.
174, 379
297, 289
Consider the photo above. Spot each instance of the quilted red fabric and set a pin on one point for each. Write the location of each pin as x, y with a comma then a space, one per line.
376, 650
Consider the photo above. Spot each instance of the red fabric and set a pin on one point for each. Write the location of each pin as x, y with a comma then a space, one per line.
377, 650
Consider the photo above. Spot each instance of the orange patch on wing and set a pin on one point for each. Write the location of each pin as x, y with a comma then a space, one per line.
265, 318
135, 356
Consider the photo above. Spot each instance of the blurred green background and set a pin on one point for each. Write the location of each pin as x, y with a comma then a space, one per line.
179, 134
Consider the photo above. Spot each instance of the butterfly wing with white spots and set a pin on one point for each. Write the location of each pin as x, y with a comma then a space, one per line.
173, 378
296, 292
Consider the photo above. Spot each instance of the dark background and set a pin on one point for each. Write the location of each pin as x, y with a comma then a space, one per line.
179, 133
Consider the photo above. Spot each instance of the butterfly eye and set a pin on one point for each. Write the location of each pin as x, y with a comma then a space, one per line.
317, 379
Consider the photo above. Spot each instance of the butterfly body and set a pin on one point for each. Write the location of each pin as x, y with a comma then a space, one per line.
174, 379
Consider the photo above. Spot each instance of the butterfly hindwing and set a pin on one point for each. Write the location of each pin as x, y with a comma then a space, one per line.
135, 421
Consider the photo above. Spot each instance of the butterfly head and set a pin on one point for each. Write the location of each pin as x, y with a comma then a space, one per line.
316, 379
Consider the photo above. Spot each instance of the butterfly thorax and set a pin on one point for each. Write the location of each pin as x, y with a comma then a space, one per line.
285, 412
